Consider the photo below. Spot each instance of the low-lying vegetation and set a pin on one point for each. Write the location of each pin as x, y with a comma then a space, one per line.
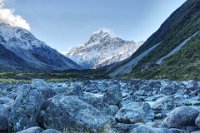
24, 77
184, 65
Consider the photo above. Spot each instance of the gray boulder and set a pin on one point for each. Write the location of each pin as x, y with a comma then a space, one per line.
59, 89
26, 109
3, 124
148, 129
169, 89
198, 131
192, 85
42, 86
51, 131
92, 88
134, 113
163, 104
5, 106
113, 95
73, 115
146, 90
181, 116
122, 128
6, 101
197, 121
31, 130
98, 102
113, 110
140, 93
74, 90
5, 111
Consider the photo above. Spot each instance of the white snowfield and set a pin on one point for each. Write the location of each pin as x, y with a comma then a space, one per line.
175, 50
130, 65
23, 39
101, 50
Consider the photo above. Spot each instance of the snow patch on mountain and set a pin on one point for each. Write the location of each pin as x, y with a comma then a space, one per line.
22, 38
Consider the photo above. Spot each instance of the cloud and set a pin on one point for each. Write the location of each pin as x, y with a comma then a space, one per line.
9, 16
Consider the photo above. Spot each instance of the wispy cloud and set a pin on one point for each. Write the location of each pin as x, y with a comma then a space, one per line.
9, 16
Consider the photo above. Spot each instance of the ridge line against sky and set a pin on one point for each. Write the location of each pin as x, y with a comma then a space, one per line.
64, 24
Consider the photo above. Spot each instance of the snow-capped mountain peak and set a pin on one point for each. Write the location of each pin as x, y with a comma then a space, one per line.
102, 49
97, 37
102, 37
100, 34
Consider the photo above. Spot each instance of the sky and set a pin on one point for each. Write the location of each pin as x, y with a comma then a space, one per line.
63, 24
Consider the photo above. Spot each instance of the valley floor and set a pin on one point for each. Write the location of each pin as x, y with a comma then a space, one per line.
100, 106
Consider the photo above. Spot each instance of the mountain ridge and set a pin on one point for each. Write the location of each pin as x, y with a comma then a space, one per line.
36, 54
181, 25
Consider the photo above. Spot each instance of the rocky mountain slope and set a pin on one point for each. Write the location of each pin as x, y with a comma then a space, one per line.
101, 106
21, 51
172, 51
101, 50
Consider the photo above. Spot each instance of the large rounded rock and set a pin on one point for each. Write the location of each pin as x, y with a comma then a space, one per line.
113, 95
169, 89
181, 116
74, 90
73, 115
42, 86
51, 131
148, 129
163, 104
26, 109
122, 128
155, 84
4, 116
5, 106
147, 90
197, 121
198, 131
31, 130
134, 113
98, 102
192, 85
6, 101
3, 124
5, 111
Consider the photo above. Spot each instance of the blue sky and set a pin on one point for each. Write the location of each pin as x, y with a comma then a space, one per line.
63, 24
